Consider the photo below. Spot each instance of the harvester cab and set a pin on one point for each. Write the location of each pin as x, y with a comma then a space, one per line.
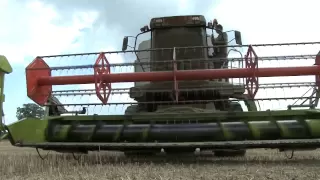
188, 82
191, 32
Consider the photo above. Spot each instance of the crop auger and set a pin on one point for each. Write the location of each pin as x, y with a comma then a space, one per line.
188, 88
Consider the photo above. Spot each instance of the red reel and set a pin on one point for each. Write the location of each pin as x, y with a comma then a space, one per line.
101, 68
252, 82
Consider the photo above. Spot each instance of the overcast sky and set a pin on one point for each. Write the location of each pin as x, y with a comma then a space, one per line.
68, 26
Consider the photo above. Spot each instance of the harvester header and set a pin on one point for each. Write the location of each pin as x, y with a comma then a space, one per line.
40, 82
183, 88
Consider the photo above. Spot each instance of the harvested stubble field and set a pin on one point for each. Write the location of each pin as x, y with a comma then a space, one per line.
24, 163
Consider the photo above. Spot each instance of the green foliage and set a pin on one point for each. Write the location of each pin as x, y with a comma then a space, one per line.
30, 110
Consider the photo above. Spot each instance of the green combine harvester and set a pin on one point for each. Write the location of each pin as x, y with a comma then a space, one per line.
184, 96
5, 68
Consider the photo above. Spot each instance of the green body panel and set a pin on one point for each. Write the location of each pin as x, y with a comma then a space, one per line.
5, 65
203, 116
239, 126
27, 131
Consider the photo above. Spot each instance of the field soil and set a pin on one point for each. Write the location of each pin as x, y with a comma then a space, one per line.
24, 164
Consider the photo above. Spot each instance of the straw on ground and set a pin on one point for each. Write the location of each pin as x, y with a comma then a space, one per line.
24, 163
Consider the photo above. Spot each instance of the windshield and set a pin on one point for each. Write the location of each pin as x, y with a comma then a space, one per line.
179, 37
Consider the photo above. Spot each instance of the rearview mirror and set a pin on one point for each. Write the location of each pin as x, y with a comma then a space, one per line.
237, 36
125, 43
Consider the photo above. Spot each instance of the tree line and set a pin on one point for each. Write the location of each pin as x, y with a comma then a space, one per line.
30, 110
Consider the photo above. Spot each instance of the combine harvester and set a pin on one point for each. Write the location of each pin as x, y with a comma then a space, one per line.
191, 88
5, 68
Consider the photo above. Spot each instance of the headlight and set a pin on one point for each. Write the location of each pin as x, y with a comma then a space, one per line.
158, 20
195, 18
